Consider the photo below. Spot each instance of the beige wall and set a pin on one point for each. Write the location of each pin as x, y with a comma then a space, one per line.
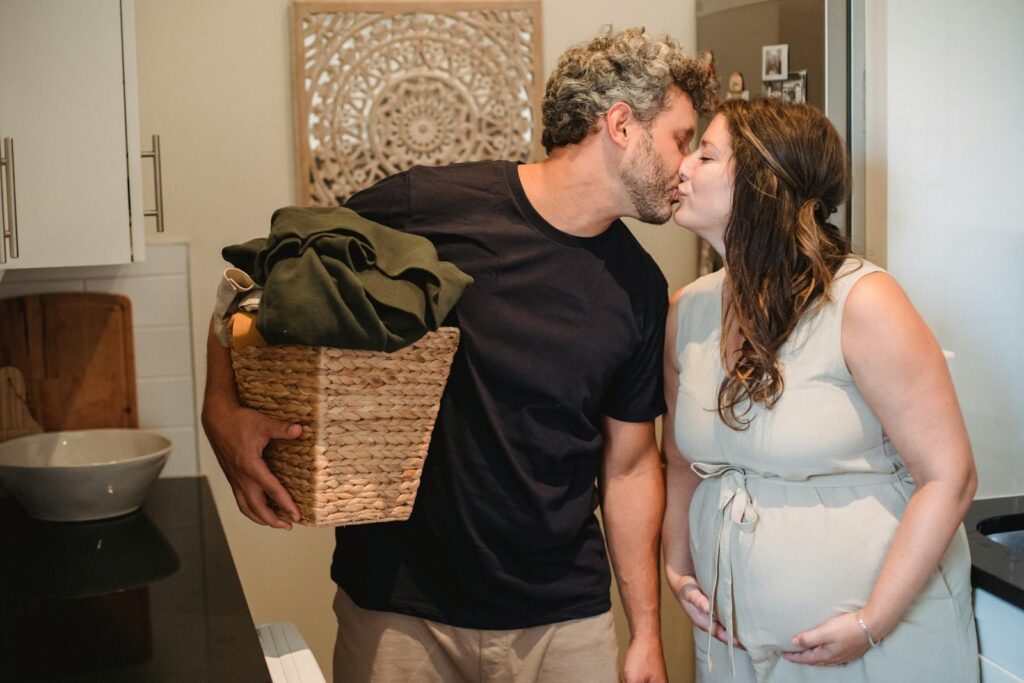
214, 82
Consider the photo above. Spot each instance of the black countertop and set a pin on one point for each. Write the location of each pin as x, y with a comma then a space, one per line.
152, 596
994, 567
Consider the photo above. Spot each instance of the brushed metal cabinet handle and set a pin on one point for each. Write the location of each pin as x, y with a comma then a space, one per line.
158, 184
9, 209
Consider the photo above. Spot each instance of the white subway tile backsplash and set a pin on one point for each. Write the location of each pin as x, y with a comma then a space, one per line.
183, 461
159, 292
41, 275
156, 300
166, 402
162, 351
11, 288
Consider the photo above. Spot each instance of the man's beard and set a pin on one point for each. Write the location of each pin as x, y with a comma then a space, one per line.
646, 186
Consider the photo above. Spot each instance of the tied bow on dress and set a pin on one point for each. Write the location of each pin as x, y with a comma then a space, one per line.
735, 509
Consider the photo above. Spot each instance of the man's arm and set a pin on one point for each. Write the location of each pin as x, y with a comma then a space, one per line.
632, 502
238, 436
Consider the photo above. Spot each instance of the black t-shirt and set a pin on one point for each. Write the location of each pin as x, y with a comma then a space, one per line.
556, 331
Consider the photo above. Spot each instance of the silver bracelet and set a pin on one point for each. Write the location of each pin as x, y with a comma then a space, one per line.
867, 632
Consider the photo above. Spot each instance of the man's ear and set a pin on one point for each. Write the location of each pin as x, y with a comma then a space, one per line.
621, 124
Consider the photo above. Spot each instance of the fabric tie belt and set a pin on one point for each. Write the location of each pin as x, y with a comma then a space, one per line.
736, 509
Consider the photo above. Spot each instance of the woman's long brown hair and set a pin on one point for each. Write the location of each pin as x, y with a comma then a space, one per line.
791, 173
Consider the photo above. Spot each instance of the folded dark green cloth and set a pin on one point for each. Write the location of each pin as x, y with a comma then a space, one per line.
333, 278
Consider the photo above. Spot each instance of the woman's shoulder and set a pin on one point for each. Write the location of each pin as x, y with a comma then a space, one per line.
870, 296
872, 305
852, 271
856, 267
703, 290
695, 309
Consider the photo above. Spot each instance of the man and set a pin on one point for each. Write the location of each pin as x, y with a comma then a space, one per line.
501, 572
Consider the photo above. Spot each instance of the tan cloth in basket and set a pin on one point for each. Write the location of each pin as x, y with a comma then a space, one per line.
236, 292
244, 332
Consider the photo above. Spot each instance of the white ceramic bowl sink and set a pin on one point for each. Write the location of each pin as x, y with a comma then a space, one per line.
82, 475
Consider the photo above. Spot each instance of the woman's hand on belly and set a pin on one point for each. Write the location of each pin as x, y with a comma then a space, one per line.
838, 641
697, 606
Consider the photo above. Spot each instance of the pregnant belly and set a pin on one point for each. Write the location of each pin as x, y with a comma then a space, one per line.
811, 554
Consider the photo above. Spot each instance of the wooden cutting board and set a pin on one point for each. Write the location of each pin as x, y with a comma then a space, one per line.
15, 417
77, 355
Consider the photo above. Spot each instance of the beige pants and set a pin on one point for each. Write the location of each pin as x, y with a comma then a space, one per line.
384, 647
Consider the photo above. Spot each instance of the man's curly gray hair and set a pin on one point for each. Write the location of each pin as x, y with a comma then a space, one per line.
631, 67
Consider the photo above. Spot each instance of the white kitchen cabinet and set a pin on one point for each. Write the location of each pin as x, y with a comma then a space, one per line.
69, 102
1000, 629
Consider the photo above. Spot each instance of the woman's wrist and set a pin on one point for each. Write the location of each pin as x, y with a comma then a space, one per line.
677, 574
679, 582
872, 641
875, 623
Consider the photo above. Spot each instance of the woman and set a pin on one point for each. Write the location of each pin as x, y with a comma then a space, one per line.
818, 464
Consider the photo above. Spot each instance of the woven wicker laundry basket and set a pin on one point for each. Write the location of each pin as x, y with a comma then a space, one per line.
367, 417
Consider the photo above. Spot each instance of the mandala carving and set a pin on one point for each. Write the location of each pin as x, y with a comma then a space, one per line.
404, 84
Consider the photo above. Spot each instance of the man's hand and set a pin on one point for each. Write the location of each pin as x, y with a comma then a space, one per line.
645, 662
238, 436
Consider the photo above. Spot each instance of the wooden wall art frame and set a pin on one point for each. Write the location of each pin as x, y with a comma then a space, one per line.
383, 86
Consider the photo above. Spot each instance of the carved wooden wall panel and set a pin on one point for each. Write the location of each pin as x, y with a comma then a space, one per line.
380, 87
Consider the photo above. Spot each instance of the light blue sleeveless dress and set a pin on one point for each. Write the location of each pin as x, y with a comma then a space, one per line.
795, 515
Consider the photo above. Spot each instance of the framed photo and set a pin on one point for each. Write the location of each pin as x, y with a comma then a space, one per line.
774, 62
737, 89
793, 89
